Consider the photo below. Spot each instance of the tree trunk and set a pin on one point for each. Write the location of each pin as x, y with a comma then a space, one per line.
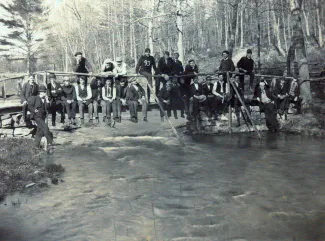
276, 29
179, 22
268, 24
242, 27
320, 34
258, 37
298, 43
306, 17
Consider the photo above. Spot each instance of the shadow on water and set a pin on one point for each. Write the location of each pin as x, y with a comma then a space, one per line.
142, 187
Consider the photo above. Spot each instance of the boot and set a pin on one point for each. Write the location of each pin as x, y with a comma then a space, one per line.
82, 122
108, 121
96, 120
135, 120
175, 114
162, 119
90, 121
62, 119
182, 115
73, 121
104, 118
120, 119
53, 123
145, 119
112, 124
238, 122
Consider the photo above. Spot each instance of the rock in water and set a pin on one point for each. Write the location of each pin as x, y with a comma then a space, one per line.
55, 181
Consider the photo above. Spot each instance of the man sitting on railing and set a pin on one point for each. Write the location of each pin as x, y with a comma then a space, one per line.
197, 97
226, 65
166, 66
69, 99
108, 70
294, 92
135, 94
54, 92
267, 104
96, 96
211, 98
223, 97
83, 93
281, 92
29, 89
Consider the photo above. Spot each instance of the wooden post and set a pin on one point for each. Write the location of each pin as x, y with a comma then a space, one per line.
229, 107
4, 94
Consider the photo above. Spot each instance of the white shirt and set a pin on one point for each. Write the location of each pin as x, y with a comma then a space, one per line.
196, 86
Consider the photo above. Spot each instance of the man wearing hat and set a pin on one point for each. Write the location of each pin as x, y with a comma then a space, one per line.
246, 65
197, 97
81, 65
145, 66
136, 95
166, 67
29, 89
69, 99
37, 106
54, 93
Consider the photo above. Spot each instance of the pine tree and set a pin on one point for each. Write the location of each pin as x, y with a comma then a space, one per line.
23, 18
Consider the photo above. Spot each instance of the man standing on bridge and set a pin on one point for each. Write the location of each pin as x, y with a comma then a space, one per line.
54, 92
81, 65
246, 66
144, 67
29, 89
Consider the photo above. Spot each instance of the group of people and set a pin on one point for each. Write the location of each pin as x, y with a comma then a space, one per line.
176, 88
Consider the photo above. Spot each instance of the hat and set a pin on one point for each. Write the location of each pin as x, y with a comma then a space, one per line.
118, 59
83, 77
202, 98
147, 50
249, 51
130, 80
77, 53
106, 61
51, 75
42, 88
209, 77
166, 77
225, 51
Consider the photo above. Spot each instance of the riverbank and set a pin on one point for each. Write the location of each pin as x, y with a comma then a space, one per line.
23, 167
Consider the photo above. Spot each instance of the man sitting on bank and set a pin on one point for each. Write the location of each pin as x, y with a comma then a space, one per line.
110, 103
294, 97
281, 92
37, 106
136, 95
83, 93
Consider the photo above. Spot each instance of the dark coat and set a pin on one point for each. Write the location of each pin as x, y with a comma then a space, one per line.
296, 89
69, 93
134, 95
207, 90
178, 67
227, 65
189, 71
269, 94
58, 91
82, 67
28, 91
281, 90
96, 88
166, 68
193, 91
246, 63
36, 103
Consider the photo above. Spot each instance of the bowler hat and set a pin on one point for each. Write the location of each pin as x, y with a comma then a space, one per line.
118, 59
41, 88
83, 77
77, 53
147, 50
249, 51
225, 51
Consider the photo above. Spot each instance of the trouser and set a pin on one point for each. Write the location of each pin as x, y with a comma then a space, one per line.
56, 105
25, 109
42, 130
242, 80
133, 107
109, 106
165, 107
149, 79
222, 103
70, 109
186, 101
282, 104
195, 105
82, 105
211, 104
270, 116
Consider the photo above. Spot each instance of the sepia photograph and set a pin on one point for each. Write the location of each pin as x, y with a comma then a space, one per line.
162, 120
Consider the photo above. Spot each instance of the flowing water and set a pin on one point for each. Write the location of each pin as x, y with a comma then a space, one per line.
143, 186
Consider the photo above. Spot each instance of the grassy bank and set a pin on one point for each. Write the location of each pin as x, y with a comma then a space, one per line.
22, 164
